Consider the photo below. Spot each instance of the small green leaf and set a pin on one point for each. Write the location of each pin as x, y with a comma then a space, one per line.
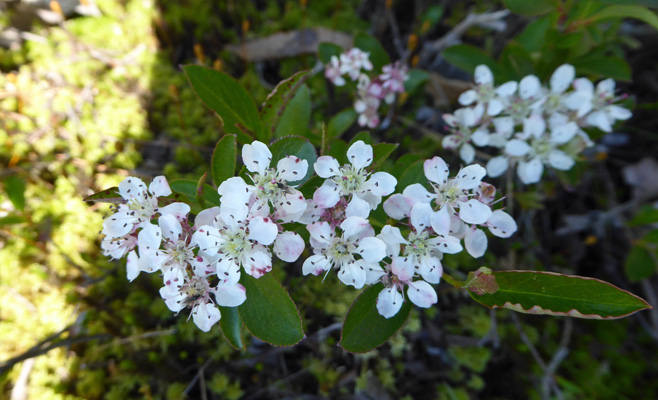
378, 55
640, 264
341, 122
381, 151
532, 7
645, 216
269, 313
278, 100
607, 66
515, 63
229, 100
188, 188
231, 325
415, 173
110, 195
534, 35
549, 293
364, 328
326, 50
296, 116
15, 187
627, 11
417, 78
433, 15
223, 160
467, 57
12, 220
295, 146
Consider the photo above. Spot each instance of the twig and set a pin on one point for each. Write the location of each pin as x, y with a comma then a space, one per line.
397, 40
432, 49
199, 374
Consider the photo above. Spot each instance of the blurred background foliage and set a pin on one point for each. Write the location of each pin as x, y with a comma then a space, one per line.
96, 94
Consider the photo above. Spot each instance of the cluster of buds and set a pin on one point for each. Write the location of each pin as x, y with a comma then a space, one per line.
531, 125
370, 91
201, 264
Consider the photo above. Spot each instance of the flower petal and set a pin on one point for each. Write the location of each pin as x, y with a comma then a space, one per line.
291, 168
417, 193
470, 177
403, 268
563, 133
288, 246
440, 221
159, 187
468, 97
235, 192
263, 230
315, 265
474, 212
352, 274
321, 232
256, 157
327, 195
562, 78
205, 316
483, 75
131, 188
436, 170
372, 249
171, 228
475, 242
497, 166
530, 171
360, 154
257, 263
382, 183
467, 153
149, 238
421, 214
431, 269
517, 148
422, 294
357, 207
326, 167
560, 160
354, 226
389, 302
230, 295
397, 206
501, 224
529, 87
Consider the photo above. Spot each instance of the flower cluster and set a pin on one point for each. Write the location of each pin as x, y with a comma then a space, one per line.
533, 126
370, 91
201, 264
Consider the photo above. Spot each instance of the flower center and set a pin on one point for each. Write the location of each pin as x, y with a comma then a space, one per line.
235, 243
144, 209
350, 180
179, 252
542, 147
341, 251
447, 193
418, 245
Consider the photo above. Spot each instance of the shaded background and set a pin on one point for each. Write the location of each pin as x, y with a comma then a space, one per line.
91, 92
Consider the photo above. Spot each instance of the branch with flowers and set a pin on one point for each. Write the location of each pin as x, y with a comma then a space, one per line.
288, 208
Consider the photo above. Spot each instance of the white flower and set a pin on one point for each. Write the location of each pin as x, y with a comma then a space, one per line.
333, 72
270, 186
332, 251
400, 274
494, 99
239, 241
596, 107
393, 77
366, 189
456, 194
117, 248
464, 124
353, 61
140, 206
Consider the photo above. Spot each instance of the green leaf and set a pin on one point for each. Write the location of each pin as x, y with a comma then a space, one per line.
381, 151
188, 188
433, 15
364, 328
627, 11
110, 195
278, 100
295, 146
645, 216
229, 100
12, 220
549, 293
529, 7
296, 116
640, 264
15, 188
341, 122
378, 55
326, 50
607, 66
415, 173
269, 313
467, 57
534, 35
231, 325
515, 62
363, 136
223, 160
417, 78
